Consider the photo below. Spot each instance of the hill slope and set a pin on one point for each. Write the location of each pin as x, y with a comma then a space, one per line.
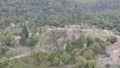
60, 12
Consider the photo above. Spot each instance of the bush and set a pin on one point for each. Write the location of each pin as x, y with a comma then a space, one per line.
92, 64
79, 43
90, 41
111, 39
87, 54
80, 62
96, 48
30, 41
39, 56
65, 58
69, 48
98, 40
4, 64
52, 55
7, 39
57, 62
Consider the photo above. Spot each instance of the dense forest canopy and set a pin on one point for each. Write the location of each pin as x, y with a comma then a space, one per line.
102, 13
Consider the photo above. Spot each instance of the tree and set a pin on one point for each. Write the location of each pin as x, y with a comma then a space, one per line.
7, 39
34, 29
73, 40
3, 51
24, 35
81, 41
23, 39
30, 41
25, 31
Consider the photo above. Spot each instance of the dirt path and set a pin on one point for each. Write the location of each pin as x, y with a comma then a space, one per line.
23, 49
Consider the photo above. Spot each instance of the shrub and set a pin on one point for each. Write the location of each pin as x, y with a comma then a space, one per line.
98, 40
7, 39
30, 41
80, 62
87, 54
65, 58
96, 48
92, 64
79, 42
69, 48
112, 39
38, 56
57, 62
90, 41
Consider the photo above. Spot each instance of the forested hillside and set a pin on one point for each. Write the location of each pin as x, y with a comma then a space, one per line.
59, 33
103, 13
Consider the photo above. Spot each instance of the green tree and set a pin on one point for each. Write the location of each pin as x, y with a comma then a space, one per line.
7, 39
73, 40
3, 51
24, 35
81, 41
23, 39
69, 48
25, 31
30, 41
34, 29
